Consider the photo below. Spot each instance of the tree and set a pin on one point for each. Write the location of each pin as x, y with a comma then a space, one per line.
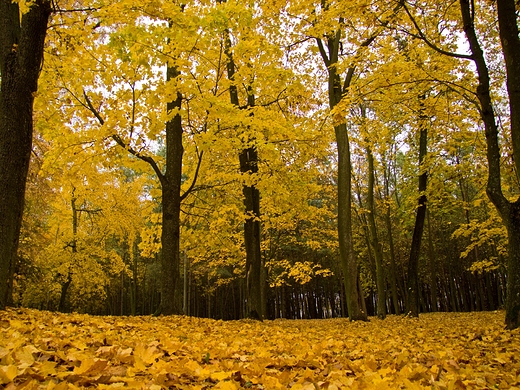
509, 210
132, 114
248, 158
330, 48
420, 216
22, 37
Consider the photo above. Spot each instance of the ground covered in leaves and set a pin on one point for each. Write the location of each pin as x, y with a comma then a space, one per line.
42, 350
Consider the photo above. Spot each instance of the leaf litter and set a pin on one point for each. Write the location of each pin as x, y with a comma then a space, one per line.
44, 350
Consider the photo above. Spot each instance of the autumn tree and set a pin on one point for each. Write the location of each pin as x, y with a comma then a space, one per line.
470, 17
22, 35
336, 21
140, 109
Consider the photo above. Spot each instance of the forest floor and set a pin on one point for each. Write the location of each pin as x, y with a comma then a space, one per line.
43, 350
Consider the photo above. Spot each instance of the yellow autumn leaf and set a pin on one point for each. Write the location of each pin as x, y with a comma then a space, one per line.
146, 355
8, 373
91, 367
24, 356
219, 376
47, 368
226, 385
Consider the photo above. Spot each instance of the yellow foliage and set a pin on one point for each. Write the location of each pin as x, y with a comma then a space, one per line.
441, 351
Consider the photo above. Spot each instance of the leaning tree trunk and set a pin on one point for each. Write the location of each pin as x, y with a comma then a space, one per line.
509, 211
21, 53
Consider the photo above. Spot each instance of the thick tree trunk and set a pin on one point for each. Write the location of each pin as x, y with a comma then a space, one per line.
21, 54
508, 27
413, 261
248, 165
346, 246
171, 208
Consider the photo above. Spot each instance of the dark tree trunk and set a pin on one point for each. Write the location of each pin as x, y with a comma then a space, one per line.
413, 262
21, 53
248, 165
509, 211
392, 274
348, 260
171, 198
248, 157
171, 207
432, 266
374, 239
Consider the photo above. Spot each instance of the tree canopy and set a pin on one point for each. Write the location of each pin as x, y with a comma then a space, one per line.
157, 124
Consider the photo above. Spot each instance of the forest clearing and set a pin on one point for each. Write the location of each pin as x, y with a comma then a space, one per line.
44, 350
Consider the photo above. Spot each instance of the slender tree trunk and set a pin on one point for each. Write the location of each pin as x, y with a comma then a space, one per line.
374, 240
74, 249
432, 265
347, 255
413, 262
393, 269
21, 53
135, 276
248, 157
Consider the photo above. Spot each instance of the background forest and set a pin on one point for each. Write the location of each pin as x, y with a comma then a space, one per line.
198, 157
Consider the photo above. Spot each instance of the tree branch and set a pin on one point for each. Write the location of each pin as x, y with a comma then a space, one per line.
323, 53
431, 44
192, 185
122, 143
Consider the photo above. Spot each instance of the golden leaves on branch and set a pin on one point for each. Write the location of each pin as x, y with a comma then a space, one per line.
440, 351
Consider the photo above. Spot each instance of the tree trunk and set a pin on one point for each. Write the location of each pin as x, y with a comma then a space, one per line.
135, 276
374, 240
171, 207
392, 275
413, 262
346, 250
509, 211
21, 53
432, 266
248, 157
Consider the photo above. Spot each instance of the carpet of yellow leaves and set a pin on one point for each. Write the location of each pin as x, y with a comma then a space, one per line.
42, 350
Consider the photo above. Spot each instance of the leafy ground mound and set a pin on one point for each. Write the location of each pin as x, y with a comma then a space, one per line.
69, 351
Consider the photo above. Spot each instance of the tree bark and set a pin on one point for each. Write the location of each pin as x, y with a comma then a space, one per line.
413, 261
392, 275
21, 54
171, 206
432, 265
